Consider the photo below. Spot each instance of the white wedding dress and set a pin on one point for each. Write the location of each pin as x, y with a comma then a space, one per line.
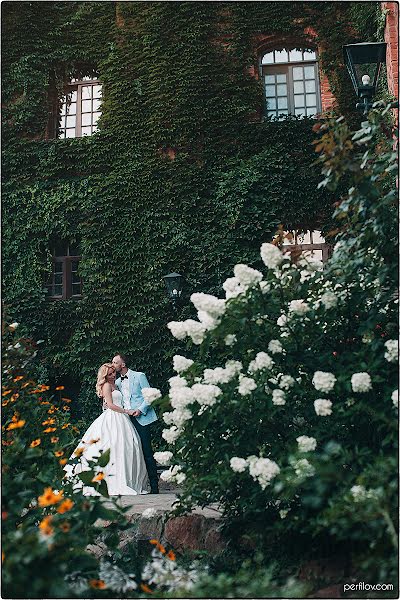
126, 473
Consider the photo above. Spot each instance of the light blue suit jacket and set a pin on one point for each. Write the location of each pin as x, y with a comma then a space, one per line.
137, 381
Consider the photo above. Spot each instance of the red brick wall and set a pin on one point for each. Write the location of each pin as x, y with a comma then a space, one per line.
392, 40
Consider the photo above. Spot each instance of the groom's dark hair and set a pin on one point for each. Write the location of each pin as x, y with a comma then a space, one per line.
123, 357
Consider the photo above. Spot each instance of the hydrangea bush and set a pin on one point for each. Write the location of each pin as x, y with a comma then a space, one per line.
289, 408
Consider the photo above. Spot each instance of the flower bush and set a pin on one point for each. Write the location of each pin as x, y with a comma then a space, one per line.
289, 403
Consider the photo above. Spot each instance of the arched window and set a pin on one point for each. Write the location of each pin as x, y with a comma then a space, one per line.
291, 82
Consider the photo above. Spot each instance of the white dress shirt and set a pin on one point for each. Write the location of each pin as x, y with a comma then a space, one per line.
125, 391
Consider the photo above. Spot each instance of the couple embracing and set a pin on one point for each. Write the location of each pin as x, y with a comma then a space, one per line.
124, 428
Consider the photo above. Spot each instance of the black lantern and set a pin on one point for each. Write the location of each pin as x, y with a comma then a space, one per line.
174, 284
364, 62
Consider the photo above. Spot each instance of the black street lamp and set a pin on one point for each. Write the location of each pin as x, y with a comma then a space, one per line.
364, 62
174, 285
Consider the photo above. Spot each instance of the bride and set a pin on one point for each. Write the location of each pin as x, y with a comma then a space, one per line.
126, 473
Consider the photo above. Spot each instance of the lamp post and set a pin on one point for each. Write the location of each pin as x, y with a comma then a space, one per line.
364, 62
174, 285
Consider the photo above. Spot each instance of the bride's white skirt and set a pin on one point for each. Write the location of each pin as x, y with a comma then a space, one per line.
126, 473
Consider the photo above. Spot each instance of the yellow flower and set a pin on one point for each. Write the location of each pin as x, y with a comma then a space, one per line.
4, 403
60, 387
65, 407
79, 451
145, 588
65, 506
6, 392
66, 399
97, 584
35, 443
49, 429
49, 497
65, 426
58, 453
45, 526
171, 555
16, 425
63, 461
98, 477
49, 421
54, 439
18, 378
65, 527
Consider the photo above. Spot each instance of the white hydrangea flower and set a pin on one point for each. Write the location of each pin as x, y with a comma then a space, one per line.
323, 407
246, 385
392, 350
246, 275
282, 320
230, 339
278, 397
149, 513
358, 492
171, 435
234, 366
209, 304
395, 398
263, 470
271, 255
115, 578
329, 300
180, 397
151, 394
168, 418
178, 329
275, 347
232, 287
286, 382
163, 458
177, 381
207, 320
298, 307
303, 468
323, 381
265, 287
180, 416
304, 276
195, 330
261, 361
238, 464
206, 394
181, 363
311, 263
361, 382
283, 513
306, 444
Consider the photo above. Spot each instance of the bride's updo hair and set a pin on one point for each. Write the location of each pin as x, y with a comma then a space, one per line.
102, 378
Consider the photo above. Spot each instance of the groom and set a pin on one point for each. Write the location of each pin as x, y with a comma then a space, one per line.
130, 384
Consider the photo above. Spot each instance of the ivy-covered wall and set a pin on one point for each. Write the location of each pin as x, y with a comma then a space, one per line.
179, 178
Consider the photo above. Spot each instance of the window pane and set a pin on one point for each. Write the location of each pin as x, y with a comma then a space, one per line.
316, 237
281, 78
268, 58
283, 112
269, 79
271, 103
310, 86
281, 90
71, 121
58, 278
86, 119
74, 265
86, 131
96, 91
94, 128
62, 133
70, 133
281, 56
295, 56
282, 103
86, 106
309, 55
299, 112
271, 113
73, 96
86, 92
309, 73
96, 117
76, 289
312, 110
298, 87
270, 91
297, 73
311, 99
57, 290
71, 109
96, 104
299, 100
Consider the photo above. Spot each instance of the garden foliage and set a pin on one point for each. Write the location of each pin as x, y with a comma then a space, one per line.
288, 419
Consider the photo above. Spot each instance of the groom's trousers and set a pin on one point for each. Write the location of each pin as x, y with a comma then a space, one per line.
144, 432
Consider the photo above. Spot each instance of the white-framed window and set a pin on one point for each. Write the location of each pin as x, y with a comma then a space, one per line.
291, 83
80, 108
310, 242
